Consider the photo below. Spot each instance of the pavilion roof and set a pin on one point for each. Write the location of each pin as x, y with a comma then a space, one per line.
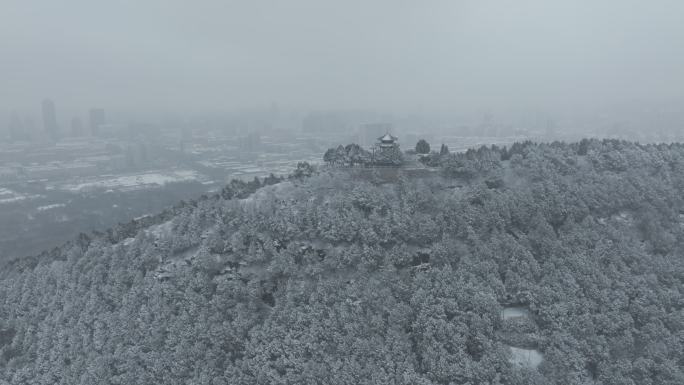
387, 138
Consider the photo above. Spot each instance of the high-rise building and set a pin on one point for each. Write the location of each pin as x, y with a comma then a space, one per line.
50, 119
97, 119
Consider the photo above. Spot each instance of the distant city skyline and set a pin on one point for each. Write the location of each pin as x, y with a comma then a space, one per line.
630, 122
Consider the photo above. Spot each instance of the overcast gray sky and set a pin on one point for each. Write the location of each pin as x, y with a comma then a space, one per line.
398, 55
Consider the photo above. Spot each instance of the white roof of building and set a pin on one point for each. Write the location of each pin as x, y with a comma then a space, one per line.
387, 138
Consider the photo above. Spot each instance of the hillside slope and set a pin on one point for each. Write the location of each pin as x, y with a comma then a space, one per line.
538, 264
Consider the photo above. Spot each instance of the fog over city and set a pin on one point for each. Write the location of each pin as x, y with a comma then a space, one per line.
450, 57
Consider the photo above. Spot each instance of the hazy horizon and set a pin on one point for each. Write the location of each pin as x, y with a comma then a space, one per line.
396, 56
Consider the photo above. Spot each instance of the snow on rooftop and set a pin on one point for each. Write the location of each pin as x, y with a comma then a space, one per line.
515, 312
387, 138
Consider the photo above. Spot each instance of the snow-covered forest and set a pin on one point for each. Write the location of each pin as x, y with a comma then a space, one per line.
535, 264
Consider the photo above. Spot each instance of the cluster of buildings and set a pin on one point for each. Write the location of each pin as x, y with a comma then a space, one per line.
23, 128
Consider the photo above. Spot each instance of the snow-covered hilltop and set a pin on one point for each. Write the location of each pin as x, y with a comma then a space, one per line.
527, 273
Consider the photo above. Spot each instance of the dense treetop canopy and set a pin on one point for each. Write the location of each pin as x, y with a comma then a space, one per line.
330, 278
422, 147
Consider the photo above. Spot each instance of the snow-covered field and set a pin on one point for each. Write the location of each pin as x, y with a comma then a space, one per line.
143, 180
9, 196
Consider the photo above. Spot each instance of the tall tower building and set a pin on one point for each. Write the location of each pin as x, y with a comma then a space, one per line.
96, 119
50, 119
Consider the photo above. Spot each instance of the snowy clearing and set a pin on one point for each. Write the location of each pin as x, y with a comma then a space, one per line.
159, 231
530, 358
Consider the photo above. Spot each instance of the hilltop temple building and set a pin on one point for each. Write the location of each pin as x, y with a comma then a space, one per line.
386, 151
